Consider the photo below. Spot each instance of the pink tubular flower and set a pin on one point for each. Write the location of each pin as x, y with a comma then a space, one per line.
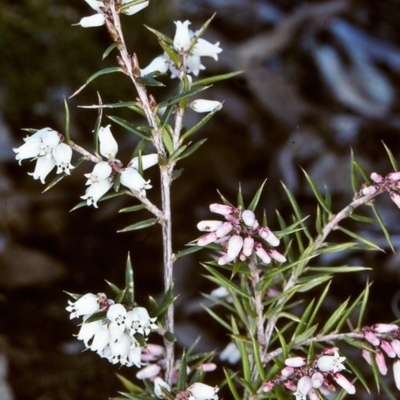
221, 209
388, 349
149, 372
395, 198
367, 356
396, 346
344, 383
287, 371
370, 336
268, 236
262, 253
268, 386
276, 255
381, 363
369, 190
385, 328
394, 176
376, 177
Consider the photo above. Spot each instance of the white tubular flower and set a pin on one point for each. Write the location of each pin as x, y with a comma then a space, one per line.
30, 149
248, 217
304, 385
62, 155
134, 354
108, 145
101, 340
276, 255
95, 191
317, 380
135, 8
92, 21
138, 320
101, 171
148, 372
117, 315
208, 226
202, 106
85, 305
120, 350
200, 391
224, 229
147, 161
134, 181
43, 167
158, 384
331, 363
295, 362
49, 141
262, 253
182, 36
203, 48
159, 64
235, 245
221, 209
194, 65
396, 373
88, 330
95, 4
384, 328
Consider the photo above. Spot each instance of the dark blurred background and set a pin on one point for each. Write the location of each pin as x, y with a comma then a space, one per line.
320, 78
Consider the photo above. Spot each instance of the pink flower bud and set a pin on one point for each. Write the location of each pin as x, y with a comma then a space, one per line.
268, 386
369, 335
225, 259
290, 385
268, 236
394, 176
248, 245
276, 255
396, 346
367, 356
396, 373
384, 328
224, 229
388, 349
380, 362
207, 367
148, 372
262, 253
395, 198
376, 177
369, 190
207, 239
287, 371
221, 209
295, 362
344, 383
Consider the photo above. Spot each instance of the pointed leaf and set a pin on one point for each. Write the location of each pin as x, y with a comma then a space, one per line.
132, 208
189, 150
61, 176
129, 298
67, 121
180, 96
316, 191
129, 385
196, 127
116, 290
216, 78
149, 81
256, 198
130, 127
370, 245
109, 49
231, 385
391, 157
140, 225
104, 71
353, 174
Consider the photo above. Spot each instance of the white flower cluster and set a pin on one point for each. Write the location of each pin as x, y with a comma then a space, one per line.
241, 235
100, 180
45, 145
312, 381
113, 336
190, 55
99, 19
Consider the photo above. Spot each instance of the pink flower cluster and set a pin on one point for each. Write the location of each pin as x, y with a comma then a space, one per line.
241, 235
389, 183
385, 338
153, 371
306, 379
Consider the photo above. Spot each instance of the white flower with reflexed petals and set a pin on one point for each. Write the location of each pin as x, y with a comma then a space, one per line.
43, 167
62, 155
95, 191
87, 304
201, 106
101, 171
134, 181
201, 391
331, 363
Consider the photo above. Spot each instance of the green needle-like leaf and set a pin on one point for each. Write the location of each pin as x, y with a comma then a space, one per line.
130, 127
140, 225
391, 157
129, 298
254, 203
216, 78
